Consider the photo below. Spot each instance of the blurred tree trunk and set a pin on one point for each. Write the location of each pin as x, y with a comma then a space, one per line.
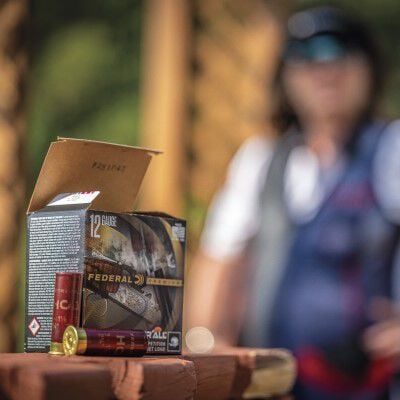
166, 62
13, 63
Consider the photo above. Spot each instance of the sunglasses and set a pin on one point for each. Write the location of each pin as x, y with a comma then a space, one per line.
319, 48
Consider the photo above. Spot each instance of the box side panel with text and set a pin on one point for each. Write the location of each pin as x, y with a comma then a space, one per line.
55, 243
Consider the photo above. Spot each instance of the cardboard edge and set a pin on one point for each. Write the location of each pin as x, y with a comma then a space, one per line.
29, 209
66, 139
161, 214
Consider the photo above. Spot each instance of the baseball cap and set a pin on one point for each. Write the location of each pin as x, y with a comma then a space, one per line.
325, 34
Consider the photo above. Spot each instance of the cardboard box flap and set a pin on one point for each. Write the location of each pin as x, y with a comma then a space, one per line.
77, 165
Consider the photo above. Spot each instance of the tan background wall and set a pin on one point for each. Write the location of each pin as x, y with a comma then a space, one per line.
207, 68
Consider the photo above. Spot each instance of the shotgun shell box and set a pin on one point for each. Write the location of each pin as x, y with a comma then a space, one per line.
80, 219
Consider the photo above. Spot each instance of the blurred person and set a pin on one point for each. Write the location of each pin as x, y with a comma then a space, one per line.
300, 246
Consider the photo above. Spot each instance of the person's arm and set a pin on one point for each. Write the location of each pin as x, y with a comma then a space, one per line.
382, 340
216, 283
214, 292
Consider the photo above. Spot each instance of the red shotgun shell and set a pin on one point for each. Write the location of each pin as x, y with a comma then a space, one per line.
96, 342
66, 307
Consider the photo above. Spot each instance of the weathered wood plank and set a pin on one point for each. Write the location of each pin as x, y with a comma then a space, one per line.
261, 371
215, 375
146, 378
226, 374
41, 377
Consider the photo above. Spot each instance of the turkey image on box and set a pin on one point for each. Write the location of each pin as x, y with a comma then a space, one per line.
81, 218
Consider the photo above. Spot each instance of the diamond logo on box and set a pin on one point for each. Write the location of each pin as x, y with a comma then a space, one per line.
34, 326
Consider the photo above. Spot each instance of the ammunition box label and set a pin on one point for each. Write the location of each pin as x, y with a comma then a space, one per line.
134, 276
164, 342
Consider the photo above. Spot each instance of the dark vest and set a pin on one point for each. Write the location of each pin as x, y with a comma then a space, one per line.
313, 281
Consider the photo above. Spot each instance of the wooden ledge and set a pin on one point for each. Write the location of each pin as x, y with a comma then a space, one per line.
225, 374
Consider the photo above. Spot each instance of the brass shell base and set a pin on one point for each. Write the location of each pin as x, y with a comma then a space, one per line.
56, 349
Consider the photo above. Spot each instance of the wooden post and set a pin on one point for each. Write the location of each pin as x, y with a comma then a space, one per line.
13, 19
164, 90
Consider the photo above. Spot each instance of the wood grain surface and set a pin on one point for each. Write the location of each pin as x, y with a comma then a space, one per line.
224, 375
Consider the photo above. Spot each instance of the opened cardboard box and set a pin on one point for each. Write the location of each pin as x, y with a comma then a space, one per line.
81, 218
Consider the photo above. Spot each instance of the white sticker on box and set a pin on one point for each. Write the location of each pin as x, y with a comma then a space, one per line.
74, 198
178, 232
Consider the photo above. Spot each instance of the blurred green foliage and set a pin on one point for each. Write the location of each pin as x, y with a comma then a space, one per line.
84, 78
381, 16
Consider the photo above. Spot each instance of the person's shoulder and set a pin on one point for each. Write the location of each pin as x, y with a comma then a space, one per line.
389, 142
233, 215
386, 170
252, 156
255, 146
